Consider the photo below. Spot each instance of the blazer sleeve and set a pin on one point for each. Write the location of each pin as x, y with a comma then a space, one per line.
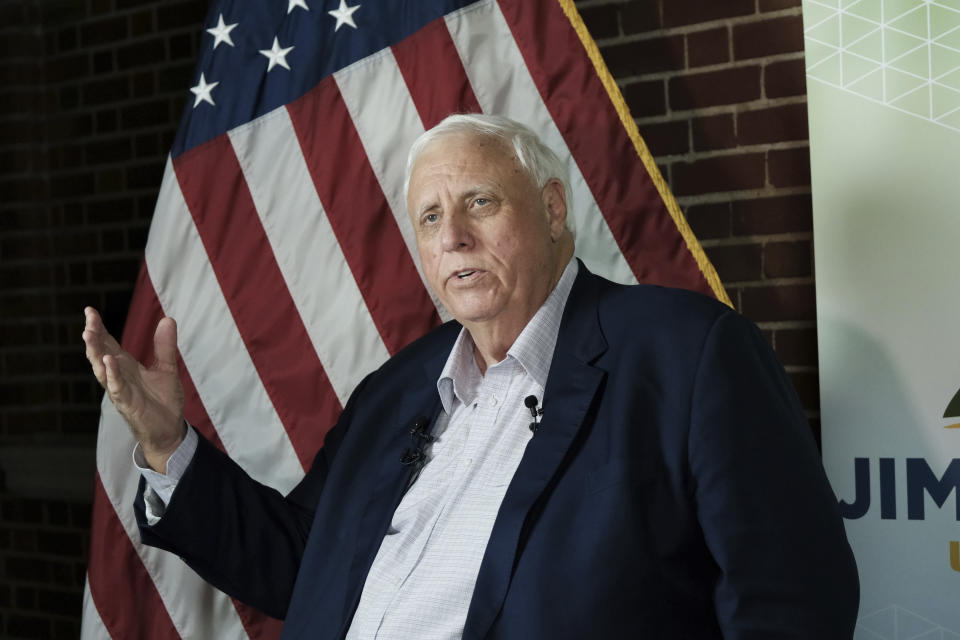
241, 536
768, 514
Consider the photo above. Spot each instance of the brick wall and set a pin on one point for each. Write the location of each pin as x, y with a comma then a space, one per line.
90, 92
718, 91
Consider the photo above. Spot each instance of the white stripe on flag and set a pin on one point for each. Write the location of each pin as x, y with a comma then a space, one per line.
184, 593
211, 346
312, 263
91, 626
387, 122
491, 57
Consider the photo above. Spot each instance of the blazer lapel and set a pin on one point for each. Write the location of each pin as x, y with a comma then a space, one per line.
571, 387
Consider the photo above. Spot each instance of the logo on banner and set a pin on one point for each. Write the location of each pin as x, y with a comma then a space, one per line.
921, 481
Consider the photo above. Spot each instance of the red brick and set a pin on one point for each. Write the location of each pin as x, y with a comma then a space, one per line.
59, 543
183, 14
144, 114
144, 84
789, 167
141, 23
69, 127
21, 73
21, 626
645, 56
779, 302
113, 89
138, 54
78, 184
713, 132
145, 176
787, 259
709, 221
785, 78
796, 346
768, 37
18, 334
601, 21
780, 214
114, 271
21, 45
646, 98
76, 243
735, 263
681, 12
711, 46
713, 175
666, 138
71, 67
776, 5
775, 124
181, 46
59, 602
712, 88
25, 276
101, 32
638, 17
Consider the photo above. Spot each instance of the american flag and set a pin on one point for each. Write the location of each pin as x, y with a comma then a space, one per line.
281, 243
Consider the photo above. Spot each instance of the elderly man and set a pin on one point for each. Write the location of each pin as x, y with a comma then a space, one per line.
570, 459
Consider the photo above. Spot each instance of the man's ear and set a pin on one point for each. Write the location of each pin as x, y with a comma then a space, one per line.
555, 204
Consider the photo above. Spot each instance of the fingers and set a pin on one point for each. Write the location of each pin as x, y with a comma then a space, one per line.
93, 331
99, 343
165, 344
113, 380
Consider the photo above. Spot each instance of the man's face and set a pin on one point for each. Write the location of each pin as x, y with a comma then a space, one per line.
484, 231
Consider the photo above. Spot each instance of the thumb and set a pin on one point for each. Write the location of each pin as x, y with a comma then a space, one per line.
165, 343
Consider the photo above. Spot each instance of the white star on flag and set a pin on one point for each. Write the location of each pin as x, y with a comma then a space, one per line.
202, 91
221, 32
292, 4
344, 15
276, 55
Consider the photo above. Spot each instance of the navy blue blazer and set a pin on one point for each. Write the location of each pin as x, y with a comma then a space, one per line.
673, 490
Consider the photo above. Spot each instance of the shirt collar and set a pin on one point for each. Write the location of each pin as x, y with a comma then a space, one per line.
533, 348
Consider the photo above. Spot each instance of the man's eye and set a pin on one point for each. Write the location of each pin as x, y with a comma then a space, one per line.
480, 202
431, 218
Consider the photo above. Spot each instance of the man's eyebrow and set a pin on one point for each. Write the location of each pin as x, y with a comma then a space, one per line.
430, 204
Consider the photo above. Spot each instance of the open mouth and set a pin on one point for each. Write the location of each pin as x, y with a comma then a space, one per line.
466, 274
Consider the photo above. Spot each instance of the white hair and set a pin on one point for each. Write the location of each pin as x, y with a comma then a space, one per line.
537, 159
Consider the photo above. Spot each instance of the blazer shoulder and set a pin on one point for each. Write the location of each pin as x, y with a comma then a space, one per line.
658, 307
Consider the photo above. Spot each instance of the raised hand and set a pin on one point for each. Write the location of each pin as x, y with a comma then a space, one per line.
150, 398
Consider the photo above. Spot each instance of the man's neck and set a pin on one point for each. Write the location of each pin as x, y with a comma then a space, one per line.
492, 340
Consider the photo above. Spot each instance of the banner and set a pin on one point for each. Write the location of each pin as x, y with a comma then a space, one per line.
883, 81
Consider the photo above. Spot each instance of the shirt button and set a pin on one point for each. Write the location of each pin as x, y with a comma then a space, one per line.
493, 401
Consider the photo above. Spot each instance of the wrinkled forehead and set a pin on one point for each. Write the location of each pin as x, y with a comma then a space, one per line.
463, 147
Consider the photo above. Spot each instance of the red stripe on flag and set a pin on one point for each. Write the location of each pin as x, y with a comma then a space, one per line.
271, 328
360, 217
434, 74
121, 588
144, 314
579, 104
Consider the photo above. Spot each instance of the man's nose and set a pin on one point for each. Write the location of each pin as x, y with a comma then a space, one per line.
455, 234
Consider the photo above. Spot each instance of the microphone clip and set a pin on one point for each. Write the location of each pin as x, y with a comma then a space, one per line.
531, 402
416, 455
